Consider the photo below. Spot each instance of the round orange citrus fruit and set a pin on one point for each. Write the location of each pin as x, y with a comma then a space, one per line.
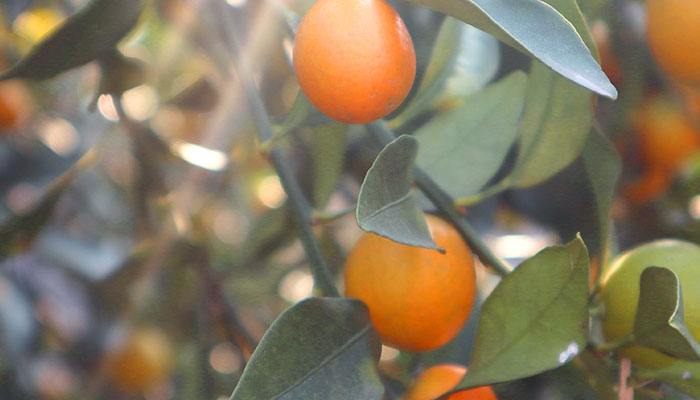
418, 298
144, 361
673, 30
667, 136
354, 59
440, 379
15, 105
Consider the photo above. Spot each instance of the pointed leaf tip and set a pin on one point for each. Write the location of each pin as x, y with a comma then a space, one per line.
386, 205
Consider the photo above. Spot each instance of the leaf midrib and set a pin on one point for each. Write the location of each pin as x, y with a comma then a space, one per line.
354, 339
532, 322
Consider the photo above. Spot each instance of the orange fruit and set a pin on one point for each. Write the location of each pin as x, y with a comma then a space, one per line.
15, 105
418, 298
439, 379
691, 96
667, 136
354, 59
144, 361
673, 31
649, 186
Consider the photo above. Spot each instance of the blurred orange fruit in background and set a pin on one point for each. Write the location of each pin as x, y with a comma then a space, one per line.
673, 31
144, 361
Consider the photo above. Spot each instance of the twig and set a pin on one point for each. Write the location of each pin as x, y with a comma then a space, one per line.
615, 344
233, 329
148, 177
626, 392
295, 196
324, 217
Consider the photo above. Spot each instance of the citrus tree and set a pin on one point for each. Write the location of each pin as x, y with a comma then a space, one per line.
350, 199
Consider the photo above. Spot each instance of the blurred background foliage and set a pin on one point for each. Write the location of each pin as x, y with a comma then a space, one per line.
145, 240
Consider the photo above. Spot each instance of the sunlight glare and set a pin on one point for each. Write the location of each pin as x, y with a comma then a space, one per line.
106, 106
224, 358
296, 286
60, 136
694, 207
270, 192
141, 102
200, 156
236, 3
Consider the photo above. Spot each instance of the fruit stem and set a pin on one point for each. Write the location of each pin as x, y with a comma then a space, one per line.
615, 344
324, 217
302, 215
479, 197
445, 204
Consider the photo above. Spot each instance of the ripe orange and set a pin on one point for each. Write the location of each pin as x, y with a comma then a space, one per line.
354, 59
144, 361
667, 136
691, 96
649, 186
673, 31
418, 298
15, 105
435, 381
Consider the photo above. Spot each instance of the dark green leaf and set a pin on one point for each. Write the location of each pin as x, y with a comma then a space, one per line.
463, 148
86, 36
603, 166
301, 110
424, 44
441, 61
21, 229
535, 320
328, 153
660, 323
386, 205
536, 29
463, 61
321, 348
558, 116
268, 233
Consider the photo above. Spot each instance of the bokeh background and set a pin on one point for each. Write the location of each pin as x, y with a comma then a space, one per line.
145, 244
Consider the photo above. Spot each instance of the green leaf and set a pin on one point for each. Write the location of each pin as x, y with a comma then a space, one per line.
386, 205
300, 112
537, 29
463, 148
558, 116
268, 232
603, 166
328, 145
660, 323
535, 320
321, 348
685, 376
438, 69
19, 230
86, 36
424, 44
